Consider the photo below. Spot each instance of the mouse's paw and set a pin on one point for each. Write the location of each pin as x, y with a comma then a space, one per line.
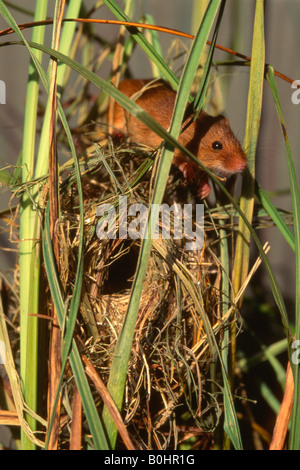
193, 174
203, 190
189, 171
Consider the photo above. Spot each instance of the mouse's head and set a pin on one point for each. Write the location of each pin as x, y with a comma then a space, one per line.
216, 146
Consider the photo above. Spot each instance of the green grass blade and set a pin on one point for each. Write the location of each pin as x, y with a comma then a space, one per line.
5, 177
241, 261
90, 409
295, 418
69, 324
29, 232
275, 215
225, 292
200, 97
67, 35
118, 373
88, 404
153, 54
231, 426
267, 353
154, 40
69, 347
12, 23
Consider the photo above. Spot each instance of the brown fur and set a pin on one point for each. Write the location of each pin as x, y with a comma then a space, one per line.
198, 136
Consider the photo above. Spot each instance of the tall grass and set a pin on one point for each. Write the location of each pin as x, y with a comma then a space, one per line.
40, 218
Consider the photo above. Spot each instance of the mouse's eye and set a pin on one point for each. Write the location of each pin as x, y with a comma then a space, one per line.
217, 145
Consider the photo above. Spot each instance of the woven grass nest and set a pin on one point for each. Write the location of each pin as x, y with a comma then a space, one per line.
170, 393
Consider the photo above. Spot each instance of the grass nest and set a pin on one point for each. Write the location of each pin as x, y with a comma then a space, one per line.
171, 392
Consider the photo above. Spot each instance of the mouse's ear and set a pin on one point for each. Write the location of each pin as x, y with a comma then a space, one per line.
223, 120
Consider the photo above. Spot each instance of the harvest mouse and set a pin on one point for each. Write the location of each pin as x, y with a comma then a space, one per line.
209, 138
